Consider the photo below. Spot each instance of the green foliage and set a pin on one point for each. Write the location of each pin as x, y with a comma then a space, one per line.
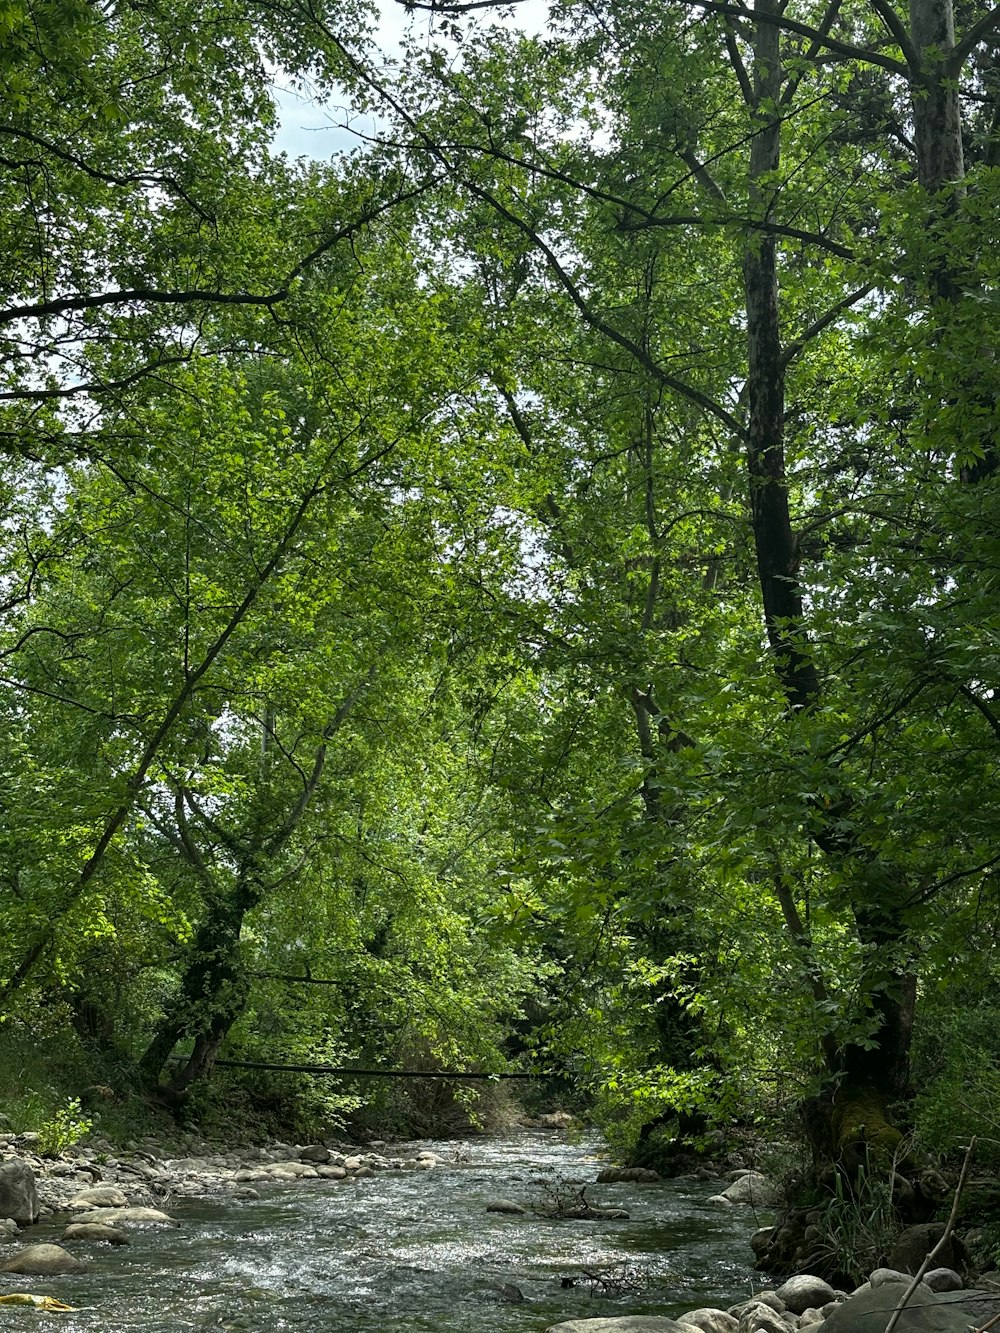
957, 1076
63, 1129
856, 1229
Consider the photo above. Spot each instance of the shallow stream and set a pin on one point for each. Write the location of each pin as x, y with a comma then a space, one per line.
409, 1252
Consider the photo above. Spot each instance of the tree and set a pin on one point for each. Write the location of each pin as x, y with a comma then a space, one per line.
747, 154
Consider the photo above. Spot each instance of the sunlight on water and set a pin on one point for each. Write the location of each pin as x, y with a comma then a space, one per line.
410, 1252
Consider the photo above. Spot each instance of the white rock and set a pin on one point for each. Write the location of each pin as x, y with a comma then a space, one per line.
804, 1291
711, 1320
753, 1188
943, 1279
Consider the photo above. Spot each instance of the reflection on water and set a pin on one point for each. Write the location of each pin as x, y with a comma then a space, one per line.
406, 1252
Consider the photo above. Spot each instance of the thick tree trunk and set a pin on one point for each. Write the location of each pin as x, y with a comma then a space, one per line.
213, 994
866, 1079
937, 111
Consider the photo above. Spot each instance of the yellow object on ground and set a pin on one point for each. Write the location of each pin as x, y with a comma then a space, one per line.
39, 1302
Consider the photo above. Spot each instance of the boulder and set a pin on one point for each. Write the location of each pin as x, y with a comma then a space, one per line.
710, 1320
95, 1231
630, 1323
927, 1311
628, 1175
753, 1188
43, 1260
555, 1120
505, 1206
804, 1292
943, 1279
881, 1276
99, 1196
915, 1243
810, 1317
760, 1315
137, 1216
18, 1193
316, 1154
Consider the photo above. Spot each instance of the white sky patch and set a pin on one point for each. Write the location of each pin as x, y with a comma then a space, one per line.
321, 125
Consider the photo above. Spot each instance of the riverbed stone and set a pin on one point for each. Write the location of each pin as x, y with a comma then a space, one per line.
331, 1172
752, 1188
765, 1297
943, 1279
316, 1154
98, 1196
759, 1316
803, 1291
506, 1206
18, 1192
711, 1320
43, 1261
881, 1277
630, 1323
136, 1216
926, 1312
96, 1231
914, 1244
628, 1175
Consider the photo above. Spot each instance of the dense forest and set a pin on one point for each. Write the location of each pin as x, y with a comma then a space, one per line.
522, 593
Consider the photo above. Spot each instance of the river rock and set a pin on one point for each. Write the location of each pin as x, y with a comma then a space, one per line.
331, 1172
915, 1243
630, 1323
555, 1120
753, 1188
95, 1231
943, 1279
137, 1216
759, 1316
628, 1175
506, 1206
43, 1261
98, 1196
280, 1172
315, 1153
18, 1192
710, 1320
927, 1311
765, 1297
880, 1277
803, 1291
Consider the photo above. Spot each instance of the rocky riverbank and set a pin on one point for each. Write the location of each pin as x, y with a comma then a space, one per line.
104, 1193
938, 1305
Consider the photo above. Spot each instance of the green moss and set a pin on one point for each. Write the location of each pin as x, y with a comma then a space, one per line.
861, 1129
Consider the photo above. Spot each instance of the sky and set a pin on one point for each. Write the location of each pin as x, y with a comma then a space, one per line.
320, 128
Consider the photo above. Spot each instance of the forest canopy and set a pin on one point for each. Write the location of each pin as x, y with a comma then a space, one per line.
521, 593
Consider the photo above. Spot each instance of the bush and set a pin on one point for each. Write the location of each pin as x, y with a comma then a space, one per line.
956, 1067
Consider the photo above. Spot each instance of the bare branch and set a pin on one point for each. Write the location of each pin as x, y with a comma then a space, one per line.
821, 40
824, 322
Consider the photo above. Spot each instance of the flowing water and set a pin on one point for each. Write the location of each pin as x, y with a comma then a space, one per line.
409, 1252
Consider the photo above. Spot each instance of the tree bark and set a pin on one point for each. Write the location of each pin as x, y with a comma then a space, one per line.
213, 994
869, 1077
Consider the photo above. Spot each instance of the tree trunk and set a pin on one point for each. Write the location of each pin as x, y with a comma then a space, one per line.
866, 1080
213, 994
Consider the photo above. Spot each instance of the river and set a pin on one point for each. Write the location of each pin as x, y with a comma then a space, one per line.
409, 1252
